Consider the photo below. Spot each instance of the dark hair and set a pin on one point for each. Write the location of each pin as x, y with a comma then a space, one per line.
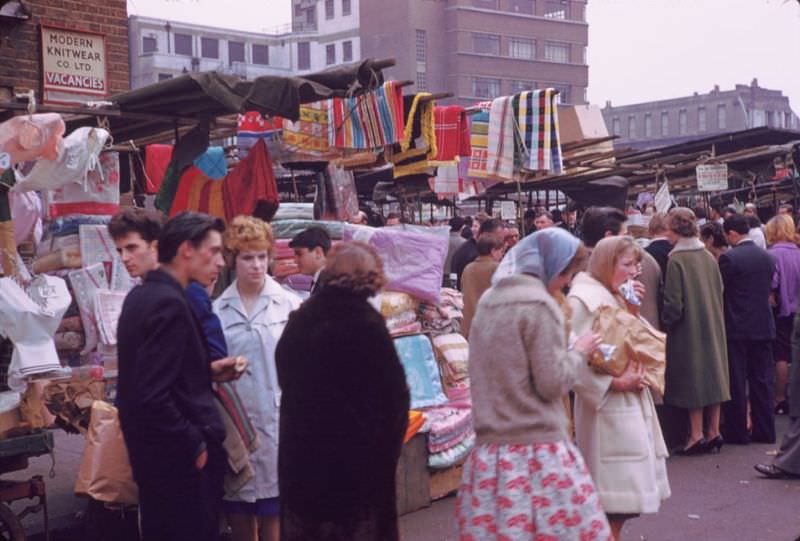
753, 221
135, 220
311, 238
713, 230
730, 210
487, 243
185, 226
456, 223
738, 223
556, 215
572, 206
597, 221
546, 213
700, 213
490, 226
682, 222
530, 214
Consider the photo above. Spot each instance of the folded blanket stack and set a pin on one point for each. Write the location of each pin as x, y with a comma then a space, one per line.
450, 435
444, 317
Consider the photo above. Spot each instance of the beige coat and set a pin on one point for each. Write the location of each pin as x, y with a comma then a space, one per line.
617, 433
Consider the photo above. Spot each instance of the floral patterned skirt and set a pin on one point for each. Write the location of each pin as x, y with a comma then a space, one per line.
540, 492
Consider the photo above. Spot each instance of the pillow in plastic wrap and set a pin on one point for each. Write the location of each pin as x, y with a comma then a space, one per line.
413, 257
422, 373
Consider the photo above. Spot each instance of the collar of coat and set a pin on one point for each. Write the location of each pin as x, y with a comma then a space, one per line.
271, 292
685, 244
591, 292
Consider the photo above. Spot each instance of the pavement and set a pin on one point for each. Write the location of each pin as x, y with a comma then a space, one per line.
714, 498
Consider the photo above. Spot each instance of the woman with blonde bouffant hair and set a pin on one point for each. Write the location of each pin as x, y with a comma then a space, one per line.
253, 311
782, 241
344, 410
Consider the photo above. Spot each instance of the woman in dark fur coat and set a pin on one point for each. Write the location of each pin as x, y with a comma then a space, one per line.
344, 409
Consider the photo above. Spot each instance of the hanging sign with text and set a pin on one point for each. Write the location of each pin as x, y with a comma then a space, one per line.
712, 178
73, 65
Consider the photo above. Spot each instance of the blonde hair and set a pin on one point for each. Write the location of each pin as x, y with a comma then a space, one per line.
780, 229
246, 233
356, 267
605, 256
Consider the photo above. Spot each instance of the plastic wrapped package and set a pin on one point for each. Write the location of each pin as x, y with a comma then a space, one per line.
85, 283
26, 213
452, 353
422, 373
98, 195
401, 320
393, 303
66, 258
27, 137
413, 260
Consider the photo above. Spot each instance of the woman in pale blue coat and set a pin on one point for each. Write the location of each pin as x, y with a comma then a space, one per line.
253, 311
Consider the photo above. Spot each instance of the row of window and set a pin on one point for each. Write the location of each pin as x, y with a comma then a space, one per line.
209, 48
522, 48
490, 88
330, 53
552, 9
330, 11
683, 123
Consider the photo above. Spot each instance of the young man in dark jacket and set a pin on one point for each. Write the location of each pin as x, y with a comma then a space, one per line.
166, 406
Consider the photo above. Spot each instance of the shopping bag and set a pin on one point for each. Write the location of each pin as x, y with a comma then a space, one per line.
610, 324
105, 473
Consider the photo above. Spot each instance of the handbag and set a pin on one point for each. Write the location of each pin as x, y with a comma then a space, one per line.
105, 473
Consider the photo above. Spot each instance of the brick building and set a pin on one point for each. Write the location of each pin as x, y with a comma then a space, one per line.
21, 56
657, 123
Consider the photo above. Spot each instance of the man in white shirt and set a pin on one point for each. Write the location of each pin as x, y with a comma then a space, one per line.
310, 253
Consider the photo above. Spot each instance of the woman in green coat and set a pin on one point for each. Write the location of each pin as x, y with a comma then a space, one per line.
697, 355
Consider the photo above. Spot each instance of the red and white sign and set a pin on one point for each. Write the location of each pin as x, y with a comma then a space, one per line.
73, 65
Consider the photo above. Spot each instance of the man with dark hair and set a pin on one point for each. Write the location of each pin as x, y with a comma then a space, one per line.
660, 246
601, 222
166, 404
727, 212
455, 242
527, 221
310, 252
468, 252
543, 220
477, 277
392, 219
570, 220
747, 272
135, 232
716, 214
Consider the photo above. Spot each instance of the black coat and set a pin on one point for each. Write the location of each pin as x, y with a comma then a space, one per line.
466, 254
166, 404
344, 412
660, 250
747, 272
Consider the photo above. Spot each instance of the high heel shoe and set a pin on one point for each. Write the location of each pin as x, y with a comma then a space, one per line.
698, 448
715, 444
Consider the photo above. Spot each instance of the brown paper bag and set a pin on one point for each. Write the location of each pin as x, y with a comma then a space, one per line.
634, 340
105, 473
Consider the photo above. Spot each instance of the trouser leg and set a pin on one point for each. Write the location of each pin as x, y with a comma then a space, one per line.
735, 411
761, 384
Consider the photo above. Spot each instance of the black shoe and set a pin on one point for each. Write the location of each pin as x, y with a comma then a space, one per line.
715, 445
771, 471
698, 448
782, 408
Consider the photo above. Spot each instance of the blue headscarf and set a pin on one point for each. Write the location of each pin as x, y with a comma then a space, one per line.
545, 254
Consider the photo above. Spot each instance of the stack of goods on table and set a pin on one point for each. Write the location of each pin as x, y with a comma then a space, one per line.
423, 320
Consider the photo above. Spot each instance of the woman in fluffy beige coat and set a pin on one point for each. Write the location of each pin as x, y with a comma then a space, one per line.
616, 426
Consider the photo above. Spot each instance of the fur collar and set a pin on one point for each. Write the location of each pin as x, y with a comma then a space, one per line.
688, 244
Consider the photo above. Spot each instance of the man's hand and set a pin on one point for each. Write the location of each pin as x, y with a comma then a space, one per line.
201, 460
228, 369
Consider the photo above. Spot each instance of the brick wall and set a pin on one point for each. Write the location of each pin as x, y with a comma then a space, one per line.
20, 43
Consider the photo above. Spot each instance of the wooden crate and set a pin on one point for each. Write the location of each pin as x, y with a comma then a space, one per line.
445, 482
412, 479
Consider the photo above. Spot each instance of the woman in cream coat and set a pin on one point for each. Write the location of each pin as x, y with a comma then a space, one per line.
616, 425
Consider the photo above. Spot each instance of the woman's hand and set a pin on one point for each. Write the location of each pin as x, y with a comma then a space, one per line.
587, 343
228, 369
631, 381
639, 290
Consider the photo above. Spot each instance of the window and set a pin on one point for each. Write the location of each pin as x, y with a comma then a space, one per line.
701, 119
787, 122
564, 92
298, 10
648, 125
517, 86
521, 48
631, 127
522, 6
422, 81
346, 8
422, 46
347, 51
486, 44
311, 15
556, 9
329, 9
303, 55
616, 126
722, 117
330, 54
164, 76
556, 52
261, 54
683, 122
664, 124
486, 4
771, 119
149, 45
485, 88
235, 52
183, 44
209, 47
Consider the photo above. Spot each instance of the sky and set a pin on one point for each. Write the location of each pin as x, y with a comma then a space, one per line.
639, 50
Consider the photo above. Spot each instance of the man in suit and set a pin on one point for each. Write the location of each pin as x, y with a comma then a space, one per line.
468, 252
166, 404
660, 246
747, 272
310, 252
